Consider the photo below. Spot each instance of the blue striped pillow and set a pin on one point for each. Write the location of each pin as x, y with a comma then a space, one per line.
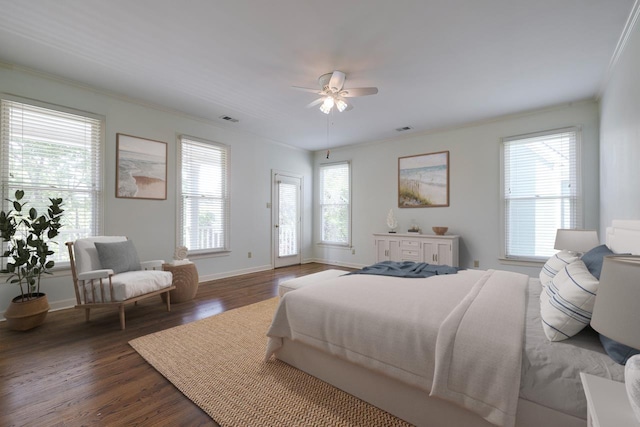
555, 264
567, 302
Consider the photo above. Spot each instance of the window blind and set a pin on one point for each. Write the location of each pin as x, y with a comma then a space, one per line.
541, 191
335, 201
50, 153
204, 208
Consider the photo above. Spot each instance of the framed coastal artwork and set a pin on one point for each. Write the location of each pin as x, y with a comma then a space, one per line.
141, 168
423, 180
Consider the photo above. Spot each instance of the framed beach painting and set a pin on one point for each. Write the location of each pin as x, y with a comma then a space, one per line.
423, 180
141, 168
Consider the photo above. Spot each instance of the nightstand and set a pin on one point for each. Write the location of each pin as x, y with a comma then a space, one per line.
607, 403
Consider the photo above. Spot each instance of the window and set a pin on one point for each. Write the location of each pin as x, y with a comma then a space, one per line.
335, 203
51, 153
204, 206
541, 191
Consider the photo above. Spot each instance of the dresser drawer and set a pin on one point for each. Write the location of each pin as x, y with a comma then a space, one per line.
408, 255
410, 244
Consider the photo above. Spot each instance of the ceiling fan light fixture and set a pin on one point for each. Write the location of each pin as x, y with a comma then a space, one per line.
341, 105
327, 105
333, 93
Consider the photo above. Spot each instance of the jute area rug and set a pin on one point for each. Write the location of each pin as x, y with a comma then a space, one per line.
218, 363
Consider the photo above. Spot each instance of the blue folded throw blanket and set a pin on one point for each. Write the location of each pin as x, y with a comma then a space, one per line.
406, 269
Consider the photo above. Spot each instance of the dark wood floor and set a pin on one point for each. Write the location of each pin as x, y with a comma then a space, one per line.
71, 373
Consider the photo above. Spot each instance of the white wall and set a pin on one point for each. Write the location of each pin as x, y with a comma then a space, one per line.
474, 180
473, 212
151, 223
620, 137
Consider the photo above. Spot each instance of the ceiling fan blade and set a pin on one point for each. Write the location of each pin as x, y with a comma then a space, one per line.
314, 103
337, 81
359, 91
307, 89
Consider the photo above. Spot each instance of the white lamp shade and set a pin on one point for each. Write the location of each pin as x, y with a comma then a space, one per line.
616, 313
576, 240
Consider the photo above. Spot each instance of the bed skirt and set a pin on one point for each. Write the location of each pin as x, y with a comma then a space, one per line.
404, 401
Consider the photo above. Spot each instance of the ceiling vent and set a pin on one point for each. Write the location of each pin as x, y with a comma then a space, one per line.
404, 128
229, 119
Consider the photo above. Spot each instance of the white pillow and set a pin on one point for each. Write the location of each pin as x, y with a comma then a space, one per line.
555, 264
567, 301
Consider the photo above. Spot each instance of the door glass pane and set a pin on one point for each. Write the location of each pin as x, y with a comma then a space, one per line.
288, 219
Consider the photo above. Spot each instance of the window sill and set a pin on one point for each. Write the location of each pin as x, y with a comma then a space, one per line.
521, 262
335, 245
211, 254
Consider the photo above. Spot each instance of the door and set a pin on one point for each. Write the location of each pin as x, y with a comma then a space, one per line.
444, 253
429, 252
387, 249
287, 221
437, 252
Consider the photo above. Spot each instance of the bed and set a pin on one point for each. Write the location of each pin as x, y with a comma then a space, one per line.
526, 381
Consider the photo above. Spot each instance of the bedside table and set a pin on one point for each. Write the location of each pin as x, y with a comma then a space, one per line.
607, 403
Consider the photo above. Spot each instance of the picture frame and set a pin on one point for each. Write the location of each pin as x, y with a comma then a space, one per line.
141, 168
423, 180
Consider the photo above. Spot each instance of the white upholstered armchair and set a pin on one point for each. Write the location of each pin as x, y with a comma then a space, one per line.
107, 273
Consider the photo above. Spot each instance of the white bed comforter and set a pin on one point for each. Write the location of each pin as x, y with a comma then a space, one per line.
459, 336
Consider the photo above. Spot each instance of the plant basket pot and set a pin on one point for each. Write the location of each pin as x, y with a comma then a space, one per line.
27, 314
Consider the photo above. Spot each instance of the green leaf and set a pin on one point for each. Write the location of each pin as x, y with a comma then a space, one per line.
28, 237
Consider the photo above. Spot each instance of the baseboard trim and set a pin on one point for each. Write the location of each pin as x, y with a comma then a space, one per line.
54, 306
233, 273
338, 263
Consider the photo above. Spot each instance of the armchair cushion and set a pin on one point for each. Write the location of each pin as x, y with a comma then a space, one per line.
95, 274
130, 284
118, 256
85, 252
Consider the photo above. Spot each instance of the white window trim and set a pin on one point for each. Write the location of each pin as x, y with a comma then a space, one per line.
210, 252
64, 266
537, 261
321, 242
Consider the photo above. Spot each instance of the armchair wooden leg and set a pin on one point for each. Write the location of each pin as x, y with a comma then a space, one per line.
122, 316
168, 301
86, 314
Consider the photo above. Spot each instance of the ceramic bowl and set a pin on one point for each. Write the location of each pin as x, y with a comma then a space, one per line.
440, 231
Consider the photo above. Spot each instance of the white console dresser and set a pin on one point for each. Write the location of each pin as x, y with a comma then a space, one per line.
429, 248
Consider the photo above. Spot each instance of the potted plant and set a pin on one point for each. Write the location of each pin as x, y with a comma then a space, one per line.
25, 239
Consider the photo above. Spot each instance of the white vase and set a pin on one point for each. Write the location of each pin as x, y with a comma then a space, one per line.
632, 383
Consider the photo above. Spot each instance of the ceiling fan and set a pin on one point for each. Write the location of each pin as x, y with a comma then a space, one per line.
333, 92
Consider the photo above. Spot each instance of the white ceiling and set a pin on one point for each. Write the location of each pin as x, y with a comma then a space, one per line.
436, 63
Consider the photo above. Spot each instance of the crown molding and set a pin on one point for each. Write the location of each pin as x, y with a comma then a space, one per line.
622, 43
